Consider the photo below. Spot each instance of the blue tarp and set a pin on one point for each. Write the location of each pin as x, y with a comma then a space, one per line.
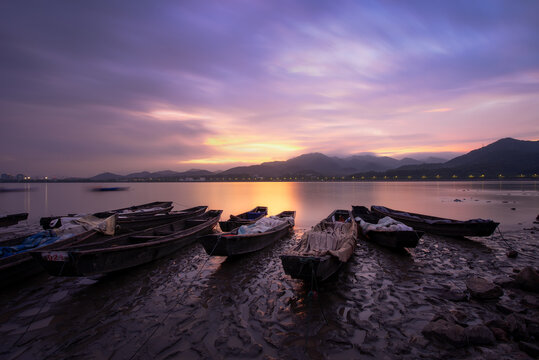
253, 215
42, 238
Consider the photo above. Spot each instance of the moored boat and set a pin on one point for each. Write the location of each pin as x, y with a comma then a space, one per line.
126, 223
440, 226
109, 189
152, 208
16, 263
383, 230
100, 254
245, 218
12, 219
249, 238
323, 250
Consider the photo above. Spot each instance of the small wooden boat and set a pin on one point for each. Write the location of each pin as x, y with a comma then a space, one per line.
156, 207
249, 238
111, 188
16, 263
440, 226
12, 219
99, 254
384, 231
245, 218
324, 249
126, 223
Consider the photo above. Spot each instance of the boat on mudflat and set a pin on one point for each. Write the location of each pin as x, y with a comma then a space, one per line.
12, 219
383, 230
16, 262
126, 223
104, 254
152, 208
249, 238
324, 249
440, 226
245, 218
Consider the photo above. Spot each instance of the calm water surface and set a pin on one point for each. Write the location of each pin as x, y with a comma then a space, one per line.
508, 202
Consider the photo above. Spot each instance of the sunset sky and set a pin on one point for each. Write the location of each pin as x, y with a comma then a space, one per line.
125, 86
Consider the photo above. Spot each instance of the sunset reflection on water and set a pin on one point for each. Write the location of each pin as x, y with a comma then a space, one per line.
509, 202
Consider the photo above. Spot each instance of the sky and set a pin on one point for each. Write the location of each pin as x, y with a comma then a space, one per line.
127, 86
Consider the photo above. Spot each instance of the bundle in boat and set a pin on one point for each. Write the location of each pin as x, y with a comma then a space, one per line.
324, 249
440, 226
148, 209
16, 262
250, 238
384, 230
103, 254
246, 218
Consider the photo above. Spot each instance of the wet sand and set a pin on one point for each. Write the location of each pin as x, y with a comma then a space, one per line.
190, 307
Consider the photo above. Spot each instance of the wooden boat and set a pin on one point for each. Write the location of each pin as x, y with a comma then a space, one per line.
156, 207
247, 239
99, 254
126, 223
20, 265
245, 218
324, 249
12, 219
384, 231
440, 226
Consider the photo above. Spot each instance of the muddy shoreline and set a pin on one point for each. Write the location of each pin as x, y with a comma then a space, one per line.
191, 307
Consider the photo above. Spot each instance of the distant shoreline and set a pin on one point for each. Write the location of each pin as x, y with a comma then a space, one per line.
531, 178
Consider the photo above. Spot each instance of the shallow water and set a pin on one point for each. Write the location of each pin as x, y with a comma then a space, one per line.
190, 306
311, 201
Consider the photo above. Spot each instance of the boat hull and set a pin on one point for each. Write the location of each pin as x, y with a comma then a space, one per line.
231, 245
108, 258
302, 267
440, 226
18, 267
394, 239
128, 223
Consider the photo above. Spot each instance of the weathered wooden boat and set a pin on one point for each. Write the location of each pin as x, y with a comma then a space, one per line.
99, 254
384, 230
126, 223
249, 238
12, 219
156, 207
324, 249
440, 226
16, 262
245, 218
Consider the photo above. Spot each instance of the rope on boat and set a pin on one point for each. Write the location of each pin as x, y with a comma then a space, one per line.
313, 293
506, 242
40, 309
180, 301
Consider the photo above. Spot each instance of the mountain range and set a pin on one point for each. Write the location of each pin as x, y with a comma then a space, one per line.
505, 156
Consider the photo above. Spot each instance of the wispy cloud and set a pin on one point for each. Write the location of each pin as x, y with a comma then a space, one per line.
438, 110
101, 86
